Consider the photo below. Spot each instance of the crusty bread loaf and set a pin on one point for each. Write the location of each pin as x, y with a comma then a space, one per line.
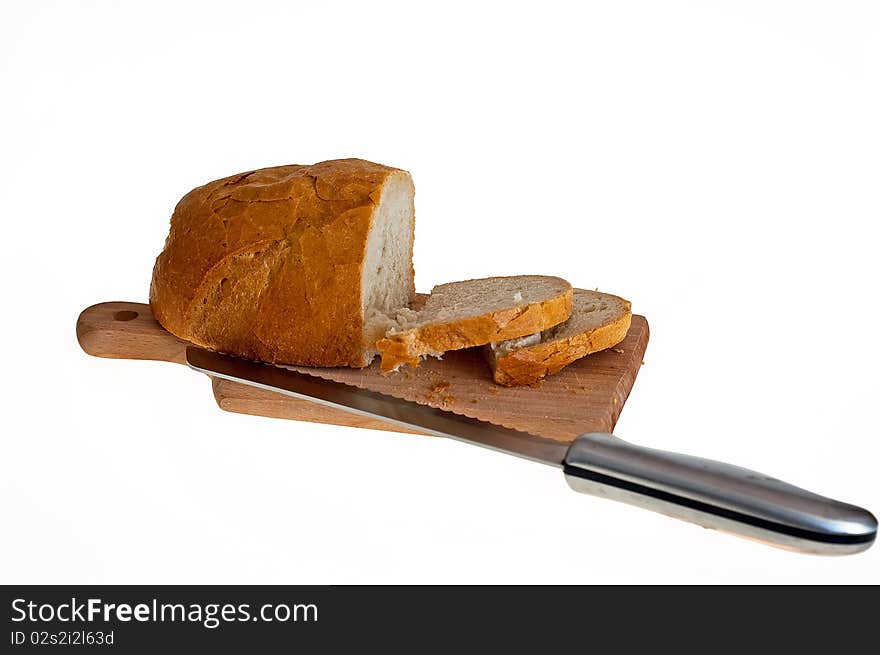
476, 312
598, 321
293, 264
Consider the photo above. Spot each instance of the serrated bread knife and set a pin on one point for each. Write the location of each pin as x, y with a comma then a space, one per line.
709, 493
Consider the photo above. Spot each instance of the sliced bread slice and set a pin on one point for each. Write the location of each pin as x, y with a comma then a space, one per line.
598, 321
476, 312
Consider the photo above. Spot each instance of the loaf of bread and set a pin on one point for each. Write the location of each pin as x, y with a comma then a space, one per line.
475, 312
598, 321
293, 264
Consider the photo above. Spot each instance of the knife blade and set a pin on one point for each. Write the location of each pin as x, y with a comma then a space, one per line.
372, 404
709, 493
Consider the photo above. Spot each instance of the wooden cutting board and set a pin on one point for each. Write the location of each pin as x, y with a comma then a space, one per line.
586, 396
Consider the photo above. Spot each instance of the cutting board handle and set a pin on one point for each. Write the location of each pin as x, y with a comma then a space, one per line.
127, 330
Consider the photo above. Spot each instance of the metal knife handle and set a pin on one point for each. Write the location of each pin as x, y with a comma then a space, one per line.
717, 495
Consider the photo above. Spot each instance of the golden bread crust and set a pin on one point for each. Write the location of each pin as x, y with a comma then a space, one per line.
267, 264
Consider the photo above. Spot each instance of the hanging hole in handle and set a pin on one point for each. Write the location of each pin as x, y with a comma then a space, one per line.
125, 315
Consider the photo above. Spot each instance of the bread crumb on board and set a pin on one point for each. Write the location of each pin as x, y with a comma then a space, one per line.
617, 350
441, 386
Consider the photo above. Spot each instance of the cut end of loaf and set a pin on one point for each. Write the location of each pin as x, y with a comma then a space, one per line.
387, 286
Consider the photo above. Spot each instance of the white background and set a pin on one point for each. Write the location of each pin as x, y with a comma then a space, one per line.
716, 163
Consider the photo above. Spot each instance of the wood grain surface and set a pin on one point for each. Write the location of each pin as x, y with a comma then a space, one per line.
586, 396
